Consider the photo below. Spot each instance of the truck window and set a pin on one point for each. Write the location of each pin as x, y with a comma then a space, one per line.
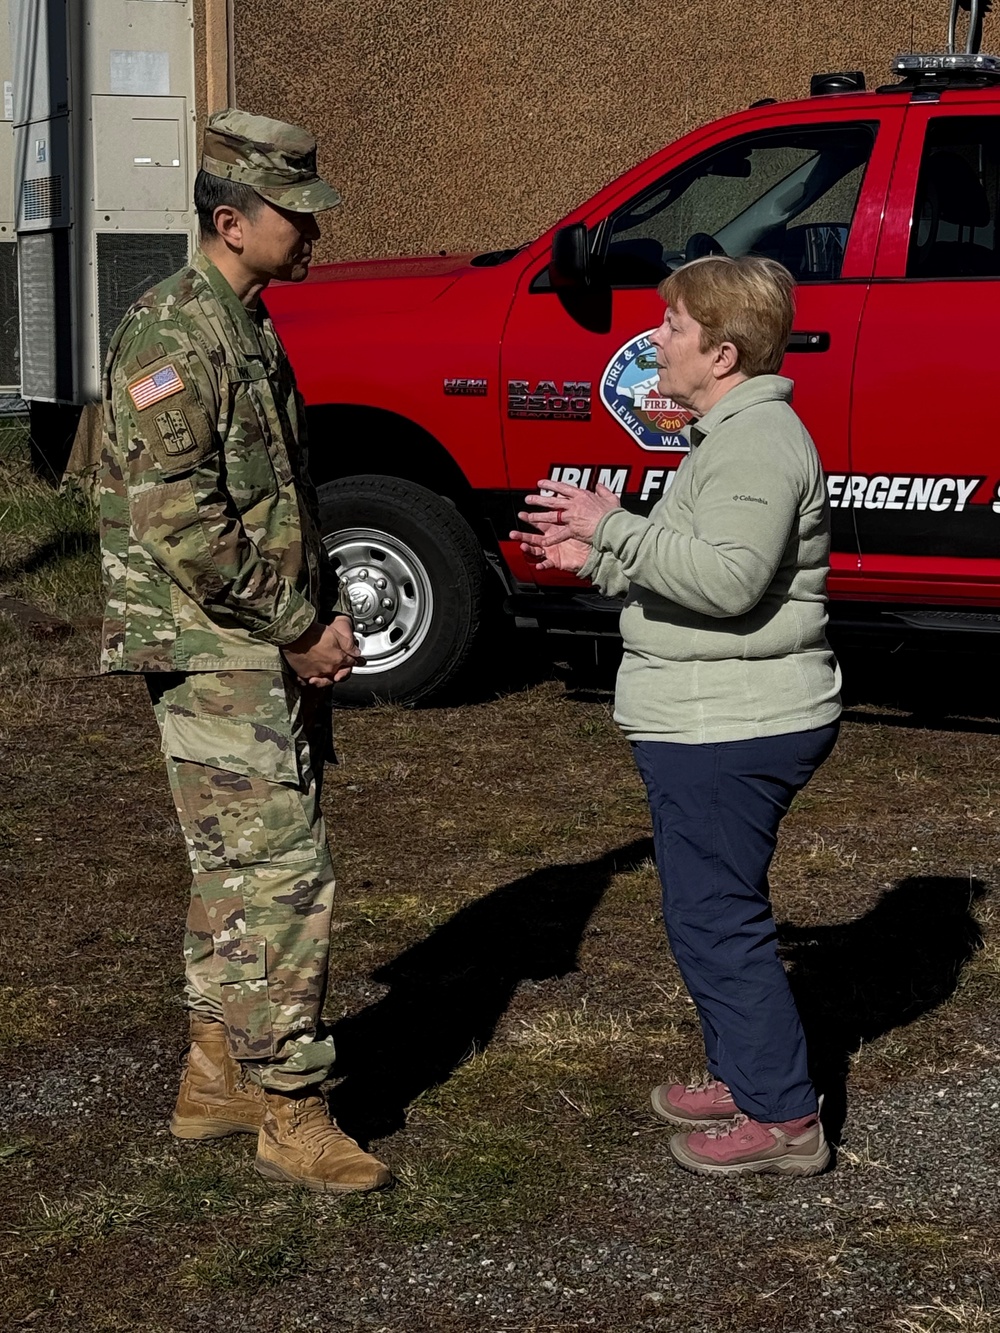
954, 232
787, 194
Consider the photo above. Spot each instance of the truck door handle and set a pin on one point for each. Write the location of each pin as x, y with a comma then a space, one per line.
802, 341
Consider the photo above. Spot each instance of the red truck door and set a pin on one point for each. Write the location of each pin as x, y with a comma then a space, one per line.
806, 187
923, 488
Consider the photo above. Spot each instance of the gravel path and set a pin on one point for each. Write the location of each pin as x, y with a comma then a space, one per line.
906, 1220
918, 1172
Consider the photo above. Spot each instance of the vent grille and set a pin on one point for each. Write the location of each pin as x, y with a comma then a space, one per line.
41, 199
128, 264
10, 350
47, 349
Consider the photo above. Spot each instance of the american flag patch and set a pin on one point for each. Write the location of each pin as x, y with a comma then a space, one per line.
161, 384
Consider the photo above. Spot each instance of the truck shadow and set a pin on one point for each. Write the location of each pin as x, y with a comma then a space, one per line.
508, 664
857, 980
854, 982
910, 686
915, 686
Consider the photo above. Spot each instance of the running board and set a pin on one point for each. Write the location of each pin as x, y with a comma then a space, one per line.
975, 622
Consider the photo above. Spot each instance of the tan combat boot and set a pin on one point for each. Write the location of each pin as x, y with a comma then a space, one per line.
215, 1097
299, 1144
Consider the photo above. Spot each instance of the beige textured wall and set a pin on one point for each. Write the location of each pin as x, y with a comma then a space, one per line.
474, 125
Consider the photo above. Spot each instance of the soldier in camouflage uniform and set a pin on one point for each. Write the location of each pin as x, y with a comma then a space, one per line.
214, 573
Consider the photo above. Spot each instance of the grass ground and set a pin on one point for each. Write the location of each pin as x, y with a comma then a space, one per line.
502, 1001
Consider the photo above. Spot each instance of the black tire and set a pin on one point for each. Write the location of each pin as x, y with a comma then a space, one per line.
382, 530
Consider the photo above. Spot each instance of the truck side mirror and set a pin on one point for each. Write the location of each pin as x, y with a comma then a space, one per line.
570, 263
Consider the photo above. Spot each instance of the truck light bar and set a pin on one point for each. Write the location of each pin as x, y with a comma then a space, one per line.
941, 65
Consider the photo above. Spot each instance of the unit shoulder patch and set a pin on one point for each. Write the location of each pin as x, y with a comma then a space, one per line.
170, 420
175, 432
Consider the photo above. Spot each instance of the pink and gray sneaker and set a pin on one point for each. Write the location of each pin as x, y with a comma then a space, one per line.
696, 1106
789, 1148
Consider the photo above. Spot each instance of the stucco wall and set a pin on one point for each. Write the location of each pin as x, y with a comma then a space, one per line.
456, 125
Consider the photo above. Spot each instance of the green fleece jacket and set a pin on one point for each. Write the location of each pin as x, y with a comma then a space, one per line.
725, 582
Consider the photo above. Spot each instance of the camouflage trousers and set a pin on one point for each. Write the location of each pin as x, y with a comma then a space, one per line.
245, 753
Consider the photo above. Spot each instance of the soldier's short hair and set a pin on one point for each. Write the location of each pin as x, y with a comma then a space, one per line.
212, 192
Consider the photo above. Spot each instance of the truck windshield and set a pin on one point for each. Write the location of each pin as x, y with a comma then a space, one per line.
788, 194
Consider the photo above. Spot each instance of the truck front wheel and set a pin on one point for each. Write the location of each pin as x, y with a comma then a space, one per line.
413, 571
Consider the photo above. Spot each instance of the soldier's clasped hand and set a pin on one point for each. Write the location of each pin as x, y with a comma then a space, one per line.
324, 654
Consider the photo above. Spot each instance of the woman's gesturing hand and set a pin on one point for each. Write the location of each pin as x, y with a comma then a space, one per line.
566, 519
568, 513
566, 555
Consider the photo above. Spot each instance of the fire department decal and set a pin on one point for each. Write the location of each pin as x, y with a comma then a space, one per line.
628, 391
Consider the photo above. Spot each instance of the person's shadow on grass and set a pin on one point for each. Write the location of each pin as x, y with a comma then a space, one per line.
448, 992
856, 981
853, 982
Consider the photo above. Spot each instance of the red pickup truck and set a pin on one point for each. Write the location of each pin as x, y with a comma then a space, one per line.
441, 389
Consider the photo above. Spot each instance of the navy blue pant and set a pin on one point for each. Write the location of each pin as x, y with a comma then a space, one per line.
716, 810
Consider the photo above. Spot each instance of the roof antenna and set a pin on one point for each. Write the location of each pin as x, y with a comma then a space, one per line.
926, 74
977, 11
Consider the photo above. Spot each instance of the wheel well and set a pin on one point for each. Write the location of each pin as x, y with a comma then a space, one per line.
392, 445
396, 447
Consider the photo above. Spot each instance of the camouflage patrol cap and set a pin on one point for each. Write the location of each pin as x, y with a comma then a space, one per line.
275, 159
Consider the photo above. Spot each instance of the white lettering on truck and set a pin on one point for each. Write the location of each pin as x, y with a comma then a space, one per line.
586, 477
936, 494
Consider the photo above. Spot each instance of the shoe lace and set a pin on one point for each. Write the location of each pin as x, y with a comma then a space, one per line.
245, 1084
313, 1124
724, 1129
706, 1084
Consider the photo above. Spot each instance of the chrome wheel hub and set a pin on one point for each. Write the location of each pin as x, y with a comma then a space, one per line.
389, 592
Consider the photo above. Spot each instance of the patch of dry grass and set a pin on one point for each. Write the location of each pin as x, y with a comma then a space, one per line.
24, 1016
578, 1035
89, 1215
951, 1316
48, 560
48, 540
830, 856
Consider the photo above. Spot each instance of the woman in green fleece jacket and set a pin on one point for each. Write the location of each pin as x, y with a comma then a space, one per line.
728, 691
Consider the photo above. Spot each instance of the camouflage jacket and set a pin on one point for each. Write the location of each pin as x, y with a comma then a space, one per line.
209, 527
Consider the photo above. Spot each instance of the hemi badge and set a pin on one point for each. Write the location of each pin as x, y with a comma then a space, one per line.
470, 388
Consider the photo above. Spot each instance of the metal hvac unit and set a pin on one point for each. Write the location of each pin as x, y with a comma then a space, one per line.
41, 93
10, 351
128, 264
44, 275
104, 153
